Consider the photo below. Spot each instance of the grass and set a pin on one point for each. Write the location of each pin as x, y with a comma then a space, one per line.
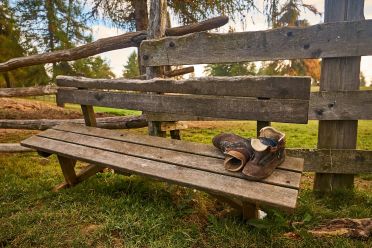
110, 210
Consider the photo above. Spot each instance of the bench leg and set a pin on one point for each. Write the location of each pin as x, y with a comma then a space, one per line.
249, 211
175, 134
68, 169
82, 175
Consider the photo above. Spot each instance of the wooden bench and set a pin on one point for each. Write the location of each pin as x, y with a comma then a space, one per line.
188, 164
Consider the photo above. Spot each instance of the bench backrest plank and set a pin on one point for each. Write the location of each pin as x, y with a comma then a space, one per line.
230, 98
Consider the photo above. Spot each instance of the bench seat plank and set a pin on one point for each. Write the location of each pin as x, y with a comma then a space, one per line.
279, 177
255, 192
291, 164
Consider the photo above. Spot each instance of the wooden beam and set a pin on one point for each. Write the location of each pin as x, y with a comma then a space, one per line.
326, 40
179, 72
28, 91
258, 86
341, 74
279, 110
124, 122
156, 29
13, 147
340, 161
106, 44
68, 169
209, 24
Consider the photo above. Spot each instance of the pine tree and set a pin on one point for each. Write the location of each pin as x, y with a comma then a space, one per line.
11, 46
53, 25
131, 68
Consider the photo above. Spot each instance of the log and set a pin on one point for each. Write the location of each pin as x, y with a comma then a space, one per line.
14, 147
326, 40
209, 24
179, 72
132, 39
28, 91
108, 122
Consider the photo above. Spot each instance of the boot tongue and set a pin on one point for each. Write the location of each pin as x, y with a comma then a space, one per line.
262, 143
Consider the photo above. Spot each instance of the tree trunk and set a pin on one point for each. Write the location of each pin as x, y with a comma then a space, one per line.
142, 22
49, 6
7, 80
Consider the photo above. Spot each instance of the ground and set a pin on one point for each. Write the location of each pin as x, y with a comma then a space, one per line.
110, 210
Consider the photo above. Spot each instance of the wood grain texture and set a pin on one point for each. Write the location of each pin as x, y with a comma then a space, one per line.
340, 161
13, 147
28, 91
68, 169
339, 74
291, 164
179, 72
257, 192
326, 40
279, 177
255, 86
156, 29
124, 122
280, 110
132, 39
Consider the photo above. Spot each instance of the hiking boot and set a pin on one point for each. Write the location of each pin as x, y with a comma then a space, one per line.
269, 153
237, 149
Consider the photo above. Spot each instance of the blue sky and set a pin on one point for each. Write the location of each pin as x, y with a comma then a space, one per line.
118, 58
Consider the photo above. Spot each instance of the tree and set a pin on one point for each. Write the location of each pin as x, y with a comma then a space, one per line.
363, 81
52, 24
92, 67
131, 69
234, 69
11, 46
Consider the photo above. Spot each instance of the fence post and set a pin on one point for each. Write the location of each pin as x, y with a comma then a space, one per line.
156, 29
339, 74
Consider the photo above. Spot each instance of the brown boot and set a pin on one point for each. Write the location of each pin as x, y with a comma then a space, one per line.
238, 150
269, 152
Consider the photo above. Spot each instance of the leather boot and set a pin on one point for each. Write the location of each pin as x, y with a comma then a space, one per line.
238, 150
269, 152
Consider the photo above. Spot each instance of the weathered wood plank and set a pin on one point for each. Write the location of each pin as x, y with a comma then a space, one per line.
341, 105
280, 110
28, 91
340, 74
260, 86
324, 105
13, 147
279, 177
326, 40
340, 161
179, 72
124, 122
257, 192
132, 39
292, 164
68, 169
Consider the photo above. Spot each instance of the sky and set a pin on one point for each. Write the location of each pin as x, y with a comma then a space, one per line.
118, 58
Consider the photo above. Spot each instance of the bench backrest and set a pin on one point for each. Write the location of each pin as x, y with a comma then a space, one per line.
278, 99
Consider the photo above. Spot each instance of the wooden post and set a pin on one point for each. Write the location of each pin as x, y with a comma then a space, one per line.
157, 25
68, 170
339, 74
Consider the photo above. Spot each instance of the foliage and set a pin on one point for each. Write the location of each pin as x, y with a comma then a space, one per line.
92, 67
52, 25
131, 69
234, 69
363, 81
11, 46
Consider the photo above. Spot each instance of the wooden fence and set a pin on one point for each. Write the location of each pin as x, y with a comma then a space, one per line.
339, 42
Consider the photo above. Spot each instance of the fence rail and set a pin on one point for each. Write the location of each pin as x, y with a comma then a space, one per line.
28, 91
326, 40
